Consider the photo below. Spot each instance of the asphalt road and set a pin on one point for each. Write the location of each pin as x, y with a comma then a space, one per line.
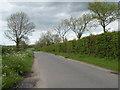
59, 72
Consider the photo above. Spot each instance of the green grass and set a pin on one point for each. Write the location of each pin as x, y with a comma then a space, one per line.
102, 62
0, 72
14, 66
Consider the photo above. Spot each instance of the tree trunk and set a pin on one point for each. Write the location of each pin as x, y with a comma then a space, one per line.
64, 39
103, 25
104, 29
17, 43
79, 35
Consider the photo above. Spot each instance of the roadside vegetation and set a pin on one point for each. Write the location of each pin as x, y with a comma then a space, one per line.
102, 45
17, 60
14, 66
0, 67
101, 50
107, 63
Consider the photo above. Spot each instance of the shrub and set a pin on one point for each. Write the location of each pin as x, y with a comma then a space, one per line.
14, 66
102, 45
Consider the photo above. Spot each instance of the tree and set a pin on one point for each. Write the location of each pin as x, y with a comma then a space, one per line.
80, 25
19, 27
48, 39
23, 44
56, 39
104, 12
62, 30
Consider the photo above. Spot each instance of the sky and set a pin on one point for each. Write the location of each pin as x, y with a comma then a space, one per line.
45, 15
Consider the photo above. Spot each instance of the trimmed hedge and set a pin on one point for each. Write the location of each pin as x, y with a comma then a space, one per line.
102, 45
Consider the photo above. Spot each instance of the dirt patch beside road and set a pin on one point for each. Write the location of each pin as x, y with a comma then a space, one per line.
32, 79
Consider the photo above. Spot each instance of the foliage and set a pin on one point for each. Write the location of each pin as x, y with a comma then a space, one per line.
8, 49
103, 45
0, 71
48, 39
80, 25
13, 49
14, 65
104, 12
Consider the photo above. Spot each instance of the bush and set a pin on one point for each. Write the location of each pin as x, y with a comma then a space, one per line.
14, 66
11, 49
8, 49
103, 45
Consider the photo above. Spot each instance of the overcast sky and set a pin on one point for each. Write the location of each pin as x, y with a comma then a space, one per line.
45, 15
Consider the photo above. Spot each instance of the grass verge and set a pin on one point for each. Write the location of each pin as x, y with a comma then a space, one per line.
101, 62
14, 66
0, 71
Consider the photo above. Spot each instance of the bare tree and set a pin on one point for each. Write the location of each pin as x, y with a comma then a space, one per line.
19, 27
56, 39
80, 25
48, 39
62, 30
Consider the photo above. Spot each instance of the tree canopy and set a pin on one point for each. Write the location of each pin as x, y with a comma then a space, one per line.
104, 12
20, 27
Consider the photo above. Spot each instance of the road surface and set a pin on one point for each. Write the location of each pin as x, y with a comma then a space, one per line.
58, 72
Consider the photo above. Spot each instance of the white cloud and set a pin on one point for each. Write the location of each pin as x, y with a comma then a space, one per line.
71, 36
113, 26
62, 15
36, 35
62, 0
5, 6
41, 8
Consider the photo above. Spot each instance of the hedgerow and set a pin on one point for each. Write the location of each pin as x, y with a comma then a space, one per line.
102, 45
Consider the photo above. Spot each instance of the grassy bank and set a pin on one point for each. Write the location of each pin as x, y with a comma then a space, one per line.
14, 66
102, 62
0, 71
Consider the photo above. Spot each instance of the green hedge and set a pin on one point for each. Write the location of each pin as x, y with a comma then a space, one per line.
102, 45
8, 49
